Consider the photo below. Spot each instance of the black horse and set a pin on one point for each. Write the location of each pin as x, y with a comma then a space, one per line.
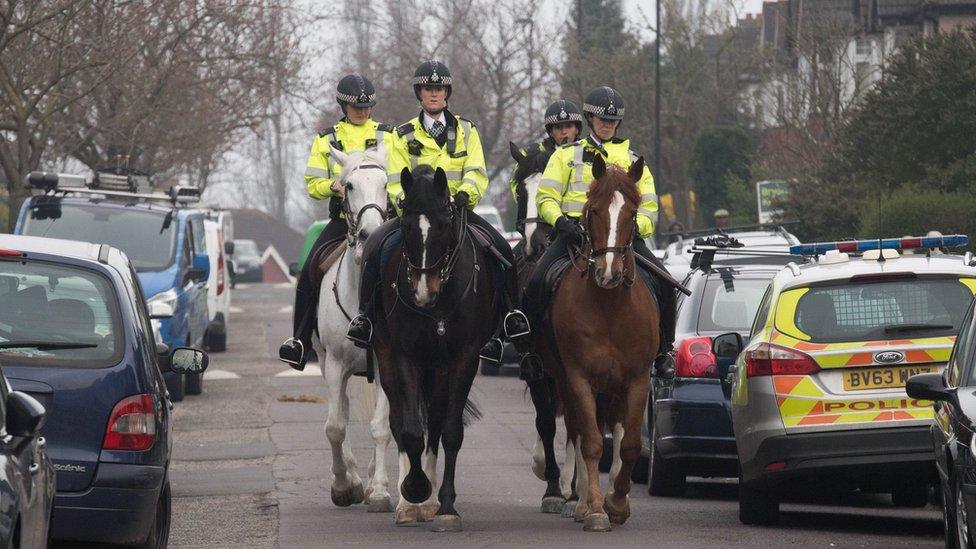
439, 307
542, 387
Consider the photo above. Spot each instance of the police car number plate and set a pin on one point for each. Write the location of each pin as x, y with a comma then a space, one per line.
883, 378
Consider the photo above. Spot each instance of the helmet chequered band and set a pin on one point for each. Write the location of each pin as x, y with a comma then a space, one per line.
432, 80
603, 111
570, 117
363, 98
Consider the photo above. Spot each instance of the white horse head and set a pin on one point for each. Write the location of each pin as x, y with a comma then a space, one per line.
364, 177
531, 212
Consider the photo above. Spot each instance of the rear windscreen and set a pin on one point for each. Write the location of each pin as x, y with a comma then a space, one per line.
893, 309
44, 303
730, 304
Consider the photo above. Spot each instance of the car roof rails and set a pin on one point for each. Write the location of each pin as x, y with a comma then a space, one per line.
704, 253
779, 227
113, 182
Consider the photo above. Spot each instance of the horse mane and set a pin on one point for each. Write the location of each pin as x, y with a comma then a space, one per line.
535, 162
615, 179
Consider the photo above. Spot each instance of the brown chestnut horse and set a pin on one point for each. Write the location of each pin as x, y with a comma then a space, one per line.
604, 338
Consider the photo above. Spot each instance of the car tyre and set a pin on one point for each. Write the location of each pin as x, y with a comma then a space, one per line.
158, 536
216, 341
641, 471
176, 387
194, 382
955, 515
915, 494
757, 506
664, 478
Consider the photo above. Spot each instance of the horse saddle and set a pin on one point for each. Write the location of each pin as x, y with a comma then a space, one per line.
322, 259
554, 275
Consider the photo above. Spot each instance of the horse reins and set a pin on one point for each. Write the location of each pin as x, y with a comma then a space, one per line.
593, 253
353, 221
449, 258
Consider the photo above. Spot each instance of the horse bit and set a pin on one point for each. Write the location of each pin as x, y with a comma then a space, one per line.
353, 221
593, 253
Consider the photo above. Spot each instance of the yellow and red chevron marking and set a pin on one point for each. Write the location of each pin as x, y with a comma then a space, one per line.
802, 403
839, 355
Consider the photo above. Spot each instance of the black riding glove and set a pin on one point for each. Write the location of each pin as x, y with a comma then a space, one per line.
461, 200
568, 227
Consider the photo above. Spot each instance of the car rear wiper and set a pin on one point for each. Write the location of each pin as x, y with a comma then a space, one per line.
915, 327
46, 345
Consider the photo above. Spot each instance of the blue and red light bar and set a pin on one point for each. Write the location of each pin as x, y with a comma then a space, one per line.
861, 246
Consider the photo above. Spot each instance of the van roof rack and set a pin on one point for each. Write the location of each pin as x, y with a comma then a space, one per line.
113, 182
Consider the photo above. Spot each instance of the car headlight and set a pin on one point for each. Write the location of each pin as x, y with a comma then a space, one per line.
168, 297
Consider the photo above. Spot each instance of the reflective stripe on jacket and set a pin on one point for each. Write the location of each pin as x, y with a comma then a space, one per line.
570, 171
321, 170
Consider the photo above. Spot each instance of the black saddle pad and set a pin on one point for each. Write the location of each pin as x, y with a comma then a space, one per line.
555, 274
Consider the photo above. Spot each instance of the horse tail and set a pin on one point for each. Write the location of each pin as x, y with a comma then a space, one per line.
471, 412
603, 407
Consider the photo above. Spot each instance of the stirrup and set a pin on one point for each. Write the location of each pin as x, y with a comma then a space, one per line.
493, 351
516, 331
354, 332
286, 350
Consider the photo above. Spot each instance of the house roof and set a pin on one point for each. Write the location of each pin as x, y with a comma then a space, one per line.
266, 230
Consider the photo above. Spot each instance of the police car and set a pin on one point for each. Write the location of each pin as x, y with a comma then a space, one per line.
818, 390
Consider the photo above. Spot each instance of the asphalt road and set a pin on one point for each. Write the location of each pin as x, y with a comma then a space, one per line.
251, 469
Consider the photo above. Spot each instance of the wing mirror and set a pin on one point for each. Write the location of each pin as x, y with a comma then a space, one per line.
200, 269
25, 415
727, 346
185, 360
929, 387
229, 247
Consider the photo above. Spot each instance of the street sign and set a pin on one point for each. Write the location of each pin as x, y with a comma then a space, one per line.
768, 195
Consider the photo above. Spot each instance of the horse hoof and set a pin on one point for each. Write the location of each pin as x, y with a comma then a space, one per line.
553, 504
569, 508
379, 504
446, 523
345, 498
596, 522
428, 511
617, 516
406, 516
582, 510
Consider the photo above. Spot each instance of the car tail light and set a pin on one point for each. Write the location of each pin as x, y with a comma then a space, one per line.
220, 272
769, 359
11, 253
694, 358
132, 425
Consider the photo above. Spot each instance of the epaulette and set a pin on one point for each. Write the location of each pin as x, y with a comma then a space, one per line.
384, 127
617, 140
404, 129
570, 144
328, 131
473, 125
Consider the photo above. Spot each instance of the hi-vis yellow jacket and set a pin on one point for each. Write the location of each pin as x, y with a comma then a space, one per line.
321, 170
461, 157
570, 171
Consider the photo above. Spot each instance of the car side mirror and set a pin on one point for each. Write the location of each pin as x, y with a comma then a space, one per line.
293, 268
185, 360
25, 415
929, 387
727, 346
159, 310
200, 269
229, 248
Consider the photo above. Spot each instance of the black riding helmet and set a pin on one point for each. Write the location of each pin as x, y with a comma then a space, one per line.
604, 102
563, 111
431, 73
355, 90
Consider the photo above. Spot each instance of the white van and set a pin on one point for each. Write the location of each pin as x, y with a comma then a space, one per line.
218, 284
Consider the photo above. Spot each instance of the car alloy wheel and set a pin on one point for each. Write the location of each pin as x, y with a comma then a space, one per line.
962, 521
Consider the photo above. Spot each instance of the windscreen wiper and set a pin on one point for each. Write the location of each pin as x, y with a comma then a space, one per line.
46, 345
915, 327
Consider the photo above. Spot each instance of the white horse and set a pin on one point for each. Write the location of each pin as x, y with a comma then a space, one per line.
364, 178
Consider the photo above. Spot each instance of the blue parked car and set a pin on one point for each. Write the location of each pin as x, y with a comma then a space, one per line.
688, 430
165, 242
85, 350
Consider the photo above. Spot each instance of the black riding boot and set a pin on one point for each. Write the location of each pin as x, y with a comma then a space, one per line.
667, 304
360, 330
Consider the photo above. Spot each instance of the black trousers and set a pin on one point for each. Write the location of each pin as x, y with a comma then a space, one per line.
304, 318
374, 248
535, 302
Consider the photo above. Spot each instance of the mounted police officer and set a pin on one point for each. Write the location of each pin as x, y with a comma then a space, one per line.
564, 124
356, 131
560, 200
440, 139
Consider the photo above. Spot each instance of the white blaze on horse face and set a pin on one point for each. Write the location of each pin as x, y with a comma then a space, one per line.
531, 210
616, 205
421, 293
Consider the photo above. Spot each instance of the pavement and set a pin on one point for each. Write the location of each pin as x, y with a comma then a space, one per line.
251, 469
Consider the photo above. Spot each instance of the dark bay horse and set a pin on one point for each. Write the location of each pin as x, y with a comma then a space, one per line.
604, 337
438, 308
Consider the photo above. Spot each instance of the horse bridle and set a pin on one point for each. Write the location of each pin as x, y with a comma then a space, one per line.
593, 253
353, 220
445, 264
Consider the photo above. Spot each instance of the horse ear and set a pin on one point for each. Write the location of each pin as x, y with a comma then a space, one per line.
517, 153
599, 167
440, 182
340, 157
636, 169
406, 179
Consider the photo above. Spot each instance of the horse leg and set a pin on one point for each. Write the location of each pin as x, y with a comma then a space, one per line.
378, 497
452, 435
590, 447
414, 486
435, 424
345, 491
545, 425
628, 425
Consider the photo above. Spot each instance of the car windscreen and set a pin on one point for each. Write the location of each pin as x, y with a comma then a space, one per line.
57, 315
148, 238
730, 304
903, 308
